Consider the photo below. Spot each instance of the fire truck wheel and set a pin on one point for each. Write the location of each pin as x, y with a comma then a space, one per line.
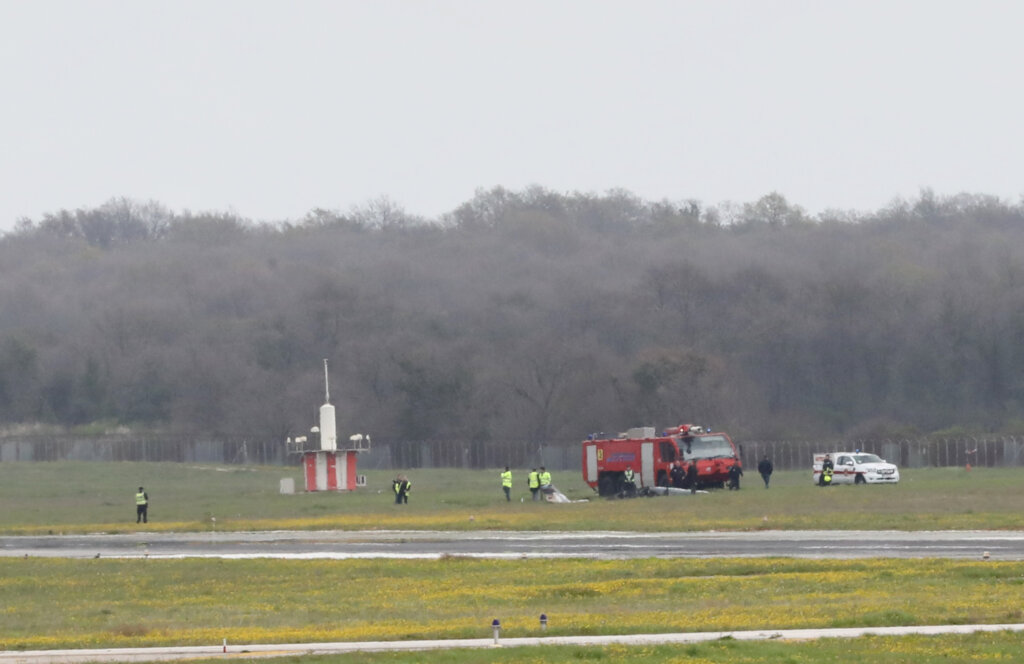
662, 478
606, 486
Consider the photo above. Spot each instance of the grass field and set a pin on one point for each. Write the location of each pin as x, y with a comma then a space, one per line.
56, 603
78, 497
50, 603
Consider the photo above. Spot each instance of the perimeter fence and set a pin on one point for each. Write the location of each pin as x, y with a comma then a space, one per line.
982, 451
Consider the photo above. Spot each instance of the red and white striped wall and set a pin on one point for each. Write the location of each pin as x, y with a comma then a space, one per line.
330, 470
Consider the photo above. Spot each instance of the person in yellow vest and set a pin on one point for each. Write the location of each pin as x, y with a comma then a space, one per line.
545, 477
827, 468
402, 487
629, 481
534, 481
141, 506
506, 484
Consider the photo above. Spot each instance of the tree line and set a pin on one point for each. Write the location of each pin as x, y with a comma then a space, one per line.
528, 315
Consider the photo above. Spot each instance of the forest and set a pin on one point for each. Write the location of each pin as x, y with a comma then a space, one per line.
532, 315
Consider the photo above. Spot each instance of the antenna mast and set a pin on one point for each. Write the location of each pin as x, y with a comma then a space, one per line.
327, 385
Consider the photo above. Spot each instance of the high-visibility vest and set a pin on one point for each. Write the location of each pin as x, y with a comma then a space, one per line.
534, 478
545, 478
826, 475
506, 479
140, 498
630, 475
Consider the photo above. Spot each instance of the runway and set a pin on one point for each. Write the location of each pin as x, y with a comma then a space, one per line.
991, 545
252, 651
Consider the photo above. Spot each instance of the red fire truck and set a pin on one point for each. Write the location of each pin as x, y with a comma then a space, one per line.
651, 457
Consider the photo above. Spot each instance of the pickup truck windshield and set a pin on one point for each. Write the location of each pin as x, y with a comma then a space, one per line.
867, 458
706, 447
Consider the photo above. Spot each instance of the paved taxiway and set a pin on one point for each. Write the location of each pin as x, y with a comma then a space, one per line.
999, 545
301, 649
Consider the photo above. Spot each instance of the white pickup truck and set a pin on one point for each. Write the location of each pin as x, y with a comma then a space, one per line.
857, 468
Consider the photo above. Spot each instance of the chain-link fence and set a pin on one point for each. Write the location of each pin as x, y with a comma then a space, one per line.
183, 449
904, 452
562, 455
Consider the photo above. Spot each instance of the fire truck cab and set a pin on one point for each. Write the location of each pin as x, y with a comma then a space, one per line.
652, 456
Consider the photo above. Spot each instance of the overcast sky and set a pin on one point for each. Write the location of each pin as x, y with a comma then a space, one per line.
272, 108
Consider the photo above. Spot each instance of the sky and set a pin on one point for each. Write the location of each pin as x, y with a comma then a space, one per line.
271, 108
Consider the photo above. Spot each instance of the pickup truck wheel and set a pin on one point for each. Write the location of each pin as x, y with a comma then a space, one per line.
859, 479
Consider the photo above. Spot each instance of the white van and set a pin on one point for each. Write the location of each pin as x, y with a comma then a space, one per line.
858, 468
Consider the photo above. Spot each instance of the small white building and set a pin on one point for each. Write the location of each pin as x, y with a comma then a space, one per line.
328, 467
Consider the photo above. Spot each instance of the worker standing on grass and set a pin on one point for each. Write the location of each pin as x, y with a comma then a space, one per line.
678, 475
545, 477
533, 479
402, 487
765, 468
141, 506
691, 477
735, 472
506, 484
827, 468
629, 481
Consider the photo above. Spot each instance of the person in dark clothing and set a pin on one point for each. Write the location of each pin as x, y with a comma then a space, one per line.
691, 477
141, 506
765, 468
678, 476
735, 472
688, 442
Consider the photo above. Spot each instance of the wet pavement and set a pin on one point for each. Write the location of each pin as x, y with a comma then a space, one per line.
226, 650
992, 545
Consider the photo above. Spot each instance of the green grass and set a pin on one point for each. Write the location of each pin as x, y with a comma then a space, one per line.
81, 496
110, 603
57, 603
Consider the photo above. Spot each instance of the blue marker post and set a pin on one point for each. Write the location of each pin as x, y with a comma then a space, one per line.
496, 626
